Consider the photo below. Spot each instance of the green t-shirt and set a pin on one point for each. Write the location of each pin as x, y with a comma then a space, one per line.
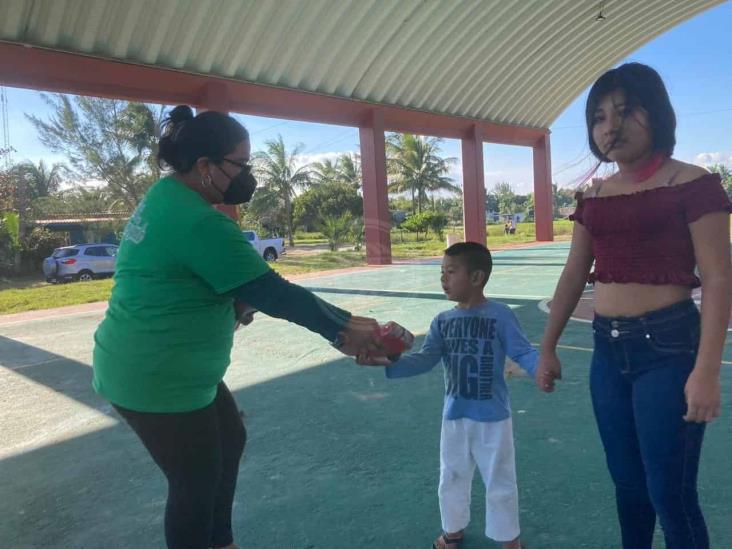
166, 339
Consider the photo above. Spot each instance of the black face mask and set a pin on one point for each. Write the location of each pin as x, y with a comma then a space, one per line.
241, 187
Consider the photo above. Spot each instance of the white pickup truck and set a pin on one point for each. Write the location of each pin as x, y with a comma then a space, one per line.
269, 248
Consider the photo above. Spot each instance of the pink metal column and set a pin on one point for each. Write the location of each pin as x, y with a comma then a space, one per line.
543, 196
214, 97
377, 218
473, 187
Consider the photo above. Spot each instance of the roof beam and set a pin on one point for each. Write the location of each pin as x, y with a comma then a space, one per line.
51, 70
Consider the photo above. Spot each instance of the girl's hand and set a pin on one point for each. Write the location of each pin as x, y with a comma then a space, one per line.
549, 370
702, 396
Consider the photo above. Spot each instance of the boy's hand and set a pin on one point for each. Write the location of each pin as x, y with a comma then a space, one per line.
394, 338
549, 370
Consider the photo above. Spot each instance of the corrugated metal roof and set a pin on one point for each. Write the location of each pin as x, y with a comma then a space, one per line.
508, 61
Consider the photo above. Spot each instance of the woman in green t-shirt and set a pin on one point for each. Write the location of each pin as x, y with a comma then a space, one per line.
162, 350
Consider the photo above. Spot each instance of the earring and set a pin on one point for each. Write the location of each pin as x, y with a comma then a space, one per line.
206, 181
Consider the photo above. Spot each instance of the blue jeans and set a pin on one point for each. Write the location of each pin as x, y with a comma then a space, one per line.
639, 369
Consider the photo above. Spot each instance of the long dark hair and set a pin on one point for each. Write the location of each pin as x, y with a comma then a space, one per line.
186, 138
643, 88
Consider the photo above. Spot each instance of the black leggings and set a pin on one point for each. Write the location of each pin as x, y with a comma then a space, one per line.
199, 453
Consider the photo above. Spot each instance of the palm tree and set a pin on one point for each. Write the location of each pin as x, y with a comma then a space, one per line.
31, 182
105, 140
349, 169
38, 180
415, 166
336, 229
324, 172
279, 171
79, 200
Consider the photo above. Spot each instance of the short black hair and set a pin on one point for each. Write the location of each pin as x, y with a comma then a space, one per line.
186, 138
474, 256
643, 87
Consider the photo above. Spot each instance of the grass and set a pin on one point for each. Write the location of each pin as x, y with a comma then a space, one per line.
325, 261
405, 245
301, 237
33, 293
41, 295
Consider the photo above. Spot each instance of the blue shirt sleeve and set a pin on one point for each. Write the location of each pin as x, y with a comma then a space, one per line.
516, 345
424, 360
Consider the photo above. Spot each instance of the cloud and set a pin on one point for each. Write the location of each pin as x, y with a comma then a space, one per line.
708, 158
305, 159
521, 179
88, 184
455, 172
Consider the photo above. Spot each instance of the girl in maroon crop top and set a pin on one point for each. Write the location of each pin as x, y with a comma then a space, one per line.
654, 377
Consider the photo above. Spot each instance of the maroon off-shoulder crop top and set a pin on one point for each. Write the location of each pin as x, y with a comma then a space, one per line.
644, 237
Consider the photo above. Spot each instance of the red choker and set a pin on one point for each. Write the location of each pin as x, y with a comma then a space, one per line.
647, 170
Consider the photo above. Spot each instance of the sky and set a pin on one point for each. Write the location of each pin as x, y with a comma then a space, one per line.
689, 57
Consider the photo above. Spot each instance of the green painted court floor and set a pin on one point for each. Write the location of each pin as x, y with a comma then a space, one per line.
338, 457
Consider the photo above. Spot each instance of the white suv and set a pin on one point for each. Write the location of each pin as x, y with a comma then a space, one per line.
81, 262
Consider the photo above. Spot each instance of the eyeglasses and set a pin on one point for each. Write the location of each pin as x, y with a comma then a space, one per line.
241, 165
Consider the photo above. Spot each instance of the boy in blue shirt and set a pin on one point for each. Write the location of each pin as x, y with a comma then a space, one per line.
472, 340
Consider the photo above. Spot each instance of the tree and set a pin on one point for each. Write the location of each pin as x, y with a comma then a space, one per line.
78, 200
491, 202
37, 180
9, 242
38, 244
279, 172
336, 229
436, 222
530, 207
563, 198
417, 223
265, 211
415, 167
330, 199
520, 202
505, 198
325, 172
7, 183
10, 224
345, 169
358, 233
106, 140
349, 169
726, 174
451, 207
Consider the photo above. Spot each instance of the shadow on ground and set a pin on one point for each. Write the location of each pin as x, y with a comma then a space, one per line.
338, 457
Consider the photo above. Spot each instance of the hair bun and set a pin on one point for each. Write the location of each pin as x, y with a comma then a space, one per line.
174, 120
181, 113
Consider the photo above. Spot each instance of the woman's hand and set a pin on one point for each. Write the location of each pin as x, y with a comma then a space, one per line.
365, 359
361, 337
702, 396
244, 314
549, 370
245, 320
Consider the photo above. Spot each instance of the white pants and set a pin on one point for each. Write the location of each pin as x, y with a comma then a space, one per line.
489, 445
